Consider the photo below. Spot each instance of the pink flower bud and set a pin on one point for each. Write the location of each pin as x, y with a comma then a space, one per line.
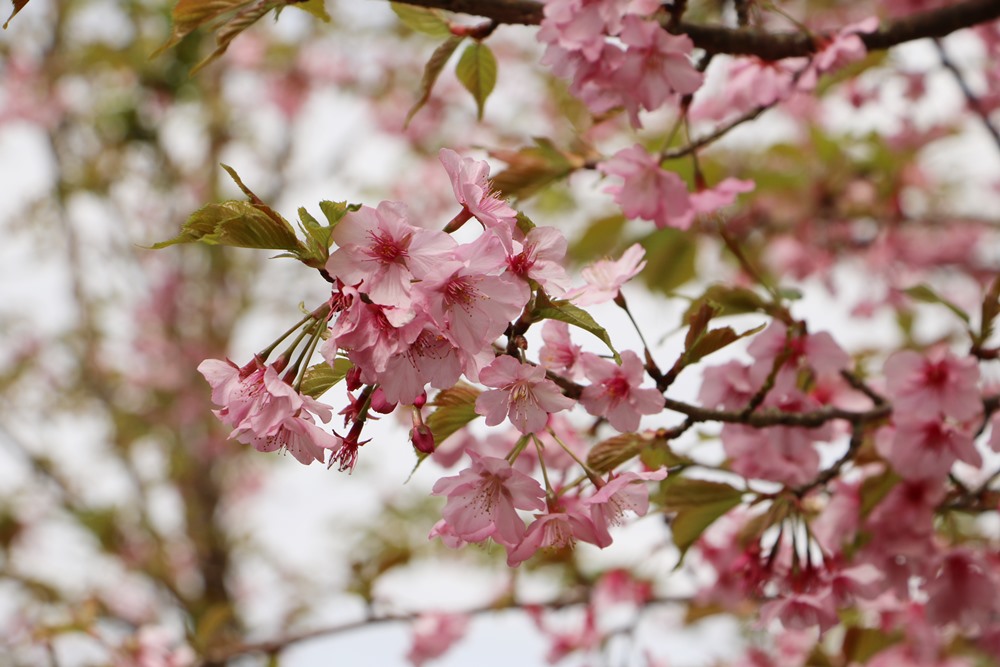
423, 439
353, 379
380, 403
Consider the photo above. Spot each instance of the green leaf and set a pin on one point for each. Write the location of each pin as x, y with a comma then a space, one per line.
697, 503
189, 15
564, 311
611, 453
658, 454
456, 407
253, 228
320, 378
315, 7
729, 300
601, 238
713, 341
431, 71
670, 259
524, 223
477, 70
924, 293
860, 644
428, 21
200, 225
336, 210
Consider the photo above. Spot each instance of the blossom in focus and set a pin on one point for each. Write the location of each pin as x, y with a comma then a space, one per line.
470, 181
540, 258
615, 393
623, 493
483, 501
554, 530
604, 278
522, 393
381, 250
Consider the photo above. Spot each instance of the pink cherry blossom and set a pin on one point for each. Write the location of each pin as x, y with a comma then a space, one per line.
622, 493
657, 66
925, 447
297, 435
483, 500
727, 386
709, 200
558, 353
429, 359
817, 351
798, 611
469, 305
615, 393
936, 383
604, 278
522, 393
779, 453
540, 258
649, 191
555, 530
381, 250
964, 590
470, 181
846, 46
434, 634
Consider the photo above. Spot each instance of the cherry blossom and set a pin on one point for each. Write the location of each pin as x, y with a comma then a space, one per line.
483, 501
937, 383
558, 353
605, 277
522, 393
470, 181
925, 448
615, 393
656, 67
554, 530
540, 259
434, 634
622, 493
649, 191
379, 248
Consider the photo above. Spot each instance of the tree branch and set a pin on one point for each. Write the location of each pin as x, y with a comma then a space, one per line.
765, 45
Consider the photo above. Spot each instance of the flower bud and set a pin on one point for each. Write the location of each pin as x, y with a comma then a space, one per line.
423, 439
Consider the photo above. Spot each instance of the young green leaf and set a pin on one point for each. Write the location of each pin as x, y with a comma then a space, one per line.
456, 407
477, 70
431, 71
320, 378
696, 504
924, 293
428, 21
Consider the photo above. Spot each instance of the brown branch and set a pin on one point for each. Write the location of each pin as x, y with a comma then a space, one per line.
765, 45
275, 646
970, 97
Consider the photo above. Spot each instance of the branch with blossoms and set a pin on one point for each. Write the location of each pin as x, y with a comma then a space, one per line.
441, 322
935, 22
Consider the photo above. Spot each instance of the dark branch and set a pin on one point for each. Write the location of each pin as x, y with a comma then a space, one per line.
766, 45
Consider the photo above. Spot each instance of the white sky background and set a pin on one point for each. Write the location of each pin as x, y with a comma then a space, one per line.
294, 513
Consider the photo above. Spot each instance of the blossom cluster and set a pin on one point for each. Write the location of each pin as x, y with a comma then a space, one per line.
642, 67
413, 308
